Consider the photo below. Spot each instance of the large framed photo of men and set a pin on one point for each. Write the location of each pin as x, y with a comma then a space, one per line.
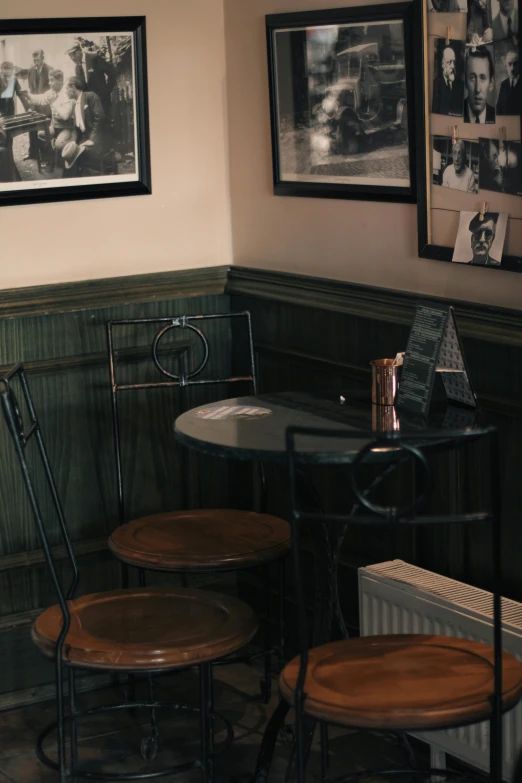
73, 109
468, 104
341, 102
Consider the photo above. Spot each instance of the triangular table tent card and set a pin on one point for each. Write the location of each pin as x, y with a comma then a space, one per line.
433, 346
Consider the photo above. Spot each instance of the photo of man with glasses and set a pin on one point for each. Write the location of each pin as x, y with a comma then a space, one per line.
480, 240
482, 237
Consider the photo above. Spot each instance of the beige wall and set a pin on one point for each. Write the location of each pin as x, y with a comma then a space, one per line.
186, 221
365, 242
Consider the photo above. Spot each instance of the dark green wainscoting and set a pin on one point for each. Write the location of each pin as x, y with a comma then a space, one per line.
309, 334
312, 333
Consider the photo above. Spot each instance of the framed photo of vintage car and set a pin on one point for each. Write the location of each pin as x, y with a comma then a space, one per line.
73, 109
469, 158
341, 102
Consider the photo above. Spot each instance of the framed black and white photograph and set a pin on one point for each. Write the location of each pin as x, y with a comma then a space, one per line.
341, 102
73, 109
456, 164
479, 80
508, 84
480, 25
500, 166
505, 19
448, 80
480, 238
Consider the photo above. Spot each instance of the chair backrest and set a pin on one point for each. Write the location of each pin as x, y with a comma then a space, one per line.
183, 378
22, 435
387, 451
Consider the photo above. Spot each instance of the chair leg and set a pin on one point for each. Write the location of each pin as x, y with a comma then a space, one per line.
325, 755
62, 757
266, 682
207, 723
265, 756
304, 734
281, 651
149, 745
141, 577
124, 576
495, 748
74, 728
299, 742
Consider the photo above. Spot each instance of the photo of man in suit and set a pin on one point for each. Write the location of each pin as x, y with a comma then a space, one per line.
95, 74
480, 28
38, 84
448, 87
90, 124
480, 82
38, 75
509, 101
505, 23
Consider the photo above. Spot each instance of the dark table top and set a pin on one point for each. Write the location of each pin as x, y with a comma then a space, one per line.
226, 430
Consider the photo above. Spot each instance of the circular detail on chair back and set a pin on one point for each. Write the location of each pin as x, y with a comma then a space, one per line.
180, 323
424, 484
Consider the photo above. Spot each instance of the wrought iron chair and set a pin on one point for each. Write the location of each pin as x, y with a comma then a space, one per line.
120, 630
197, 540
395, 683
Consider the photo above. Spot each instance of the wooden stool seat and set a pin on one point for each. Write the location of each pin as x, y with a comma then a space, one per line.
147, 628
201, 539
402, 682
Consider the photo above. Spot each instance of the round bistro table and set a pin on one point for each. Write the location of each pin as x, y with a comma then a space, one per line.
254, 427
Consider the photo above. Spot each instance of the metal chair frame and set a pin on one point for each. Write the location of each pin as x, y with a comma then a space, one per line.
185, 378
70, 770
406, 445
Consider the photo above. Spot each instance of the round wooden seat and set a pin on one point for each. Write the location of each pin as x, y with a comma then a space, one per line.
148, 628
402, 682
201, 539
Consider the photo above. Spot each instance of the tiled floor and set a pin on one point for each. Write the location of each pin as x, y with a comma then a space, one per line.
116, 738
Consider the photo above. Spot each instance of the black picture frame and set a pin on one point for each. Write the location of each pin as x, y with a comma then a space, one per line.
426, 249
90, 188
402, 12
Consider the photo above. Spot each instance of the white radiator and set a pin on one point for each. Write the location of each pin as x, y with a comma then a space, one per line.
396, 597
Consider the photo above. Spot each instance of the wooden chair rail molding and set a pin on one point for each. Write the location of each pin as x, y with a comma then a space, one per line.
484, 322
111, 291
480, 321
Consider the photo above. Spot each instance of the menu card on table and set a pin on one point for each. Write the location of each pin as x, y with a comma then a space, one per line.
433, 346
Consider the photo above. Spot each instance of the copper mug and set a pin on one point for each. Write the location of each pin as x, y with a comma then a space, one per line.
385, 381
385, 418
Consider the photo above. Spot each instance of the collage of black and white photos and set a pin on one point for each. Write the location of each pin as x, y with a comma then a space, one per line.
477, 81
